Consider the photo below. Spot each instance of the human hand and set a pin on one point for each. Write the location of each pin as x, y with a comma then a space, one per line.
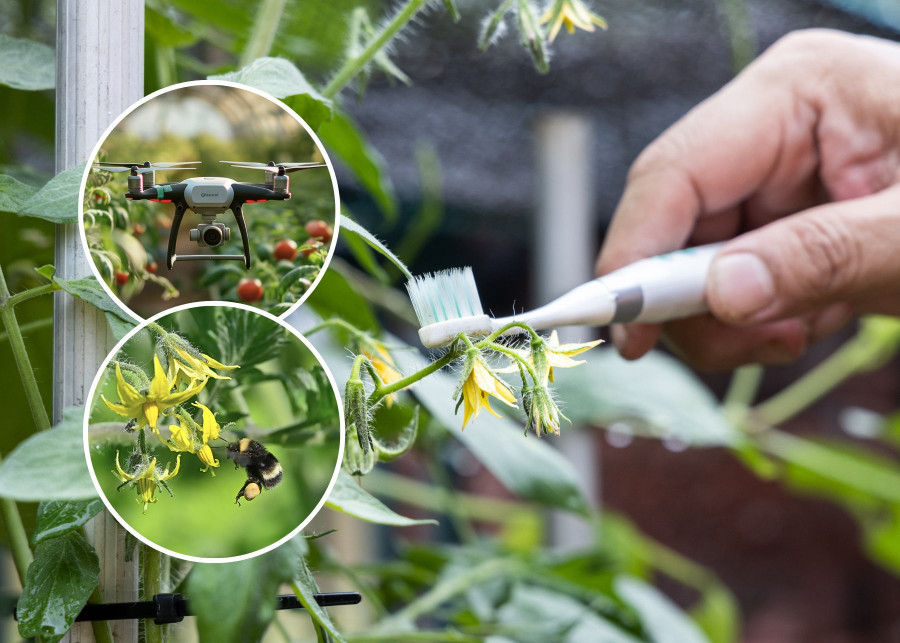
798, 161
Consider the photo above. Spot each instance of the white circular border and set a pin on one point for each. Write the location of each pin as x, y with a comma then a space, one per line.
225, 83
96, 383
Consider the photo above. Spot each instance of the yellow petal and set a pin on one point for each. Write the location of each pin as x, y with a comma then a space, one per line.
210, 428
160, 384
216, 364
151, 413
181, 438
486, 403
206, 457
174, 398
121, 409
125, 476
128, 395
168, 476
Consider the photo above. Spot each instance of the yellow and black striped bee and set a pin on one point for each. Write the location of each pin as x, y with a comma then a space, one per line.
263, 468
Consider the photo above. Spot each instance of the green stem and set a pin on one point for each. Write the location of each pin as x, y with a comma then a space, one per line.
38, 324
156, 328
262, 35
354, 65
740, 33
26, 371
401, 384
741, 392
150, 574
483, 343
357, 365
31, 293
334, 323
102, 630
444, 591
814, 385
523, 363
18, 539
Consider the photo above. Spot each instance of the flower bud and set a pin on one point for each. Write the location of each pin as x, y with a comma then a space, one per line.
356, 411
356, 461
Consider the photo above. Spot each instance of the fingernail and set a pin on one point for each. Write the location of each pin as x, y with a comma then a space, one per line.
619, 336
740, 285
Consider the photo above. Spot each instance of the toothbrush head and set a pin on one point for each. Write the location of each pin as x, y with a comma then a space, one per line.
447, 304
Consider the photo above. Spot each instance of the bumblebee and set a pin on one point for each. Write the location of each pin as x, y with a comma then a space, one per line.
263, 468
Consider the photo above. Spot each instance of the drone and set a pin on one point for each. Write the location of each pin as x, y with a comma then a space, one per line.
208, 196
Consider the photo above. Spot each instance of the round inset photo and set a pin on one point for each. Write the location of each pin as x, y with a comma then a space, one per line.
214, 432
209, 191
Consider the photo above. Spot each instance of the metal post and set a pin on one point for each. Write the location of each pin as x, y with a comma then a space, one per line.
565, 249
99, 73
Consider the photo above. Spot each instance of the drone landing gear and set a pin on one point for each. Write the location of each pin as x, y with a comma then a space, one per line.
172, 257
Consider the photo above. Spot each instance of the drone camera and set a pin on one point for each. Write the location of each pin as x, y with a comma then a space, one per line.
211, 235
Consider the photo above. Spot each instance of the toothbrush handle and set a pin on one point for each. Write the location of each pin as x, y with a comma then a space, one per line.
669, 286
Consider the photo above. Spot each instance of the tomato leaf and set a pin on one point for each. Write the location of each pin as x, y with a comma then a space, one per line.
13, 193
87, 289
25, 64
57, 201
351, 226
305, 588
342, 136
348, 497
49, 465
58, 517
662, 619
57, 586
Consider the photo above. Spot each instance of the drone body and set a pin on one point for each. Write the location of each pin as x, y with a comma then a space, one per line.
208, 196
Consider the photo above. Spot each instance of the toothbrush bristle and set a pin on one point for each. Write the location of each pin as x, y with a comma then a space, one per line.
443, 295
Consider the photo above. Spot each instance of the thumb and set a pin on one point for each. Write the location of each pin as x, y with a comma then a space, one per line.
810, 259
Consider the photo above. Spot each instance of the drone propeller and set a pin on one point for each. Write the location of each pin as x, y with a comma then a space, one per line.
286, 168
143, 168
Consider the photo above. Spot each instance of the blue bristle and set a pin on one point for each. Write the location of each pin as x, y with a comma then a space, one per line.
443, 295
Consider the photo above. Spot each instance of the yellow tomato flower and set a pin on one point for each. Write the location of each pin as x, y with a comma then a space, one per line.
383, 364
186, 367
572, 14
479, 385
146, 408
555, 355
147, 477
185, 438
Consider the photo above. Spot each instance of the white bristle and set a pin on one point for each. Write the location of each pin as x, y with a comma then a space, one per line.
444, 295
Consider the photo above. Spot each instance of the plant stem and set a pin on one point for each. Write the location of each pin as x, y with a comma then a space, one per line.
523, 363
26, 371
156, 328
401, 384
31, 293
812, 386
741, 392
18, 539
354, 65
334, 323
38, 324
150, 574
483, 343
102, 630
262, 35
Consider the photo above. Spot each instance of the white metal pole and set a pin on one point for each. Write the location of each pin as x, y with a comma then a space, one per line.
564, 232
99, 73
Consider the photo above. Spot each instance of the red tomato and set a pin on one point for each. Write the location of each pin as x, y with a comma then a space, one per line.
250, 290
138, 229
122, 277
285, 249
151, 267
319, 229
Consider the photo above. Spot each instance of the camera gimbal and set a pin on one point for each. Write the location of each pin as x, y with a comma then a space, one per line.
208, 196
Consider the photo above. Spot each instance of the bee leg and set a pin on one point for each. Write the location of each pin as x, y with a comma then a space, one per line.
237, 499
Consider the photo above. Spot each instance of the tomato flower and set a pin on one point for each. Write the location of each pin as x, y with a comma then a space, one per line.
145, 408
185, 367
187, 436
477, 384
548, 354
572, 14
541, 412
384, 365
147, 477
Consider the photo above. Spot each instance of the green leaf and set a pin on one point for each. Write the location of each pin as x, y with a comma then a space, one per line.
58, 517
57, 586
390, 450
305, 589
662, 619
57, 201
49, 465
25, 64
342, 137
119, 326
655, 396
351, 226
348, 497
539, 615
87, 289
165, 31
13, 193
334, 297
235, 602
282, 79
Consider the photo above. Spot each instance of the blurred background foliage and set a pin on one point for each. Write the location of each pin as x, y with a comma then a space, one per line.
445, 171
280, 396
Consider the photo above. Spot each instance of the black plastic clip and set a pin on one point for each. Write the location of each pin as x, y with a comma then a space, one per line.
167, 608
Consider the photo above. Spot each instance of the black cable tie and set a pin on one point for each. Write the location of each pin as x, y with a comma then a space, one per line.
172, 608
